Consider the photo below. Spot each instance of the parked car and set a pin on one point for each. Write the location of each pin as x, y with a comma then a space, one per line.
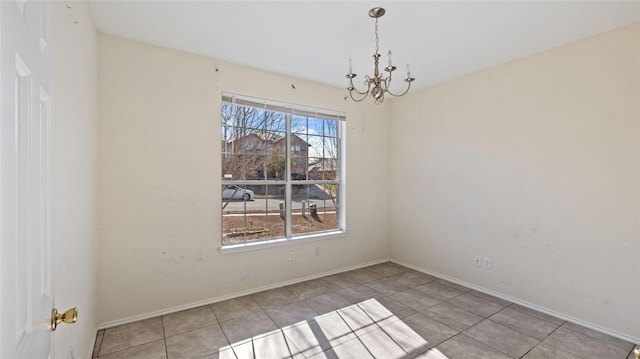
237, 192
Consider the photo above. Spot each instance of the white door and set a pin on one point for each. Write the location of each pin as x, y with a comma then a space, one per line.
26, 286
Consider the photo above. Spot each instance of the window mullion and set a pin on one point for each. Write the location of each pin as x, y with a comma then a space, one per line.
341, 164
288, 188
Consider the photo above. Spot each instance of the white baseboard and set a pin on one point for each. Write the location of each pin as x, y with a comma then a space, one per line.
157, 313
518, 301
523, 303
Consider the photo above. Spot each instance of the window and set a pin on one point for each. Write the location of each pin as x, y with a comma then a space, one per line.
271, 194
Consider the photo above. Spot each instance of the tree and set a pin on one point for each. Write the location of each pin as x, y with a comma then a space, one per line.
247, 140
277, 163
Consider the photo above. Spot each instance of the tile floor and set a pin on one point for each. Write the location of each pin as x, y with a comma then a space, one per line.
382, 311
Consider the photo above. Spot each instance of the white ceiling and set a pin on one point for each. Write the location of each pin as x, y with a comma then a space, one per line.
313, 40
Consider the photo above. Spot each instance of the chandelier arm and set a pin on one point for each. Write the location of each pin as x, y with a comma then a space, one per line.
405, 91
352, 88
386, 82
356, 100
367, 82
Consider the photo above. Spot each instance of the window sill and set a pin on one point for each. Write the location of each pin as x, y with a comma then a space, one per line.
235, 248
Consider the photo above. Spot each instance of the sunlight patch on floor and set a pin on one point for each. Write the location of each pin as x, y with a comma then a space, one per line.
364, 329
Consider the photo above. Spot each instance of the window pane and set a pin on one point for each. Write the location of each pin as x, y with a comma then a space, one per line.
299, 154
327, 206
323, 154
330, 163
259, 167
314, 208
252, 118
315, 126
234, 167
314, 168
274, 204
330, 169
255, 220
330, 147
331, 128
234, 203
298, 124
275, 156
300, 221
316, 147
275, 122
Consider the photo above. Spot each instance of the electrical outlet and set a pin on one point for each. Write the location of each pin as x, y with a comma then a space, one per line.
478, 261
291, 256
487, 263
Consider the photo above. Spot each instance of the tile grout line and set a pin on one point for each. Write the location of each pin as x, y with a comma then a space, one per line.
210, 306
421, 311
534, 314
164, 338
487, 344
518, 331
594, 338
379, 327
631, 351
456, 335
551, 333
386, 286
233, 350
286, 342
350, 328
598, 339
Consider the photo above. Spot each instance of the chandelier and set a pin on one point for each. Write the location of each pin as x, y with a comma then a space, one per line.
377, 85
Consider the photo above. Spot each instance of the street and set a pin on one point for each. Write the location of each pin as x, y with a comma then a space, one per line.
235, 206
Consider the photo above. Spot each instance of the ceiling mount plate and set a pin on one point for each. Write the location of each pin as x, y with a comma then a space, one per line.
376, 12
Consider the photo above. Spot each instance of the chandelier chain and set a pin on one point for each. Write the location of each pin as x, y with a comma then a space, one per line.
377, 40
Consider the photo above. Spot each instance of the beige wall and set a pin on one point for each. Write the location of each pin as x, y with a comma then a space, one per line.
159, 181
535, 164
74, 104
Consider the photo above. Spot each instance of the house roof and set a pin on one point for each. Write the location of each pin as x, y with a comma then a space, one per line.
267, 136
323, 164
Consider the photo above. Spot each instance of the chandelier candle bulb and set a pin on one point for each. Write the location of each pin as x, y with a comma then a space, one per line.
408, 71
350, 66
390, 64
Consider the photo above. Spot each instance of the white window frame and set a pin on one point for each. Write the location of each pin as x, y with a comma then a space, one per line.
288, 182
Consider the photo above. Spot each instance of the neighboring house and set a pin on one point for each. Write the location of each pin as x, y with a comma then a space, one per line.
323, 168
262, 156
